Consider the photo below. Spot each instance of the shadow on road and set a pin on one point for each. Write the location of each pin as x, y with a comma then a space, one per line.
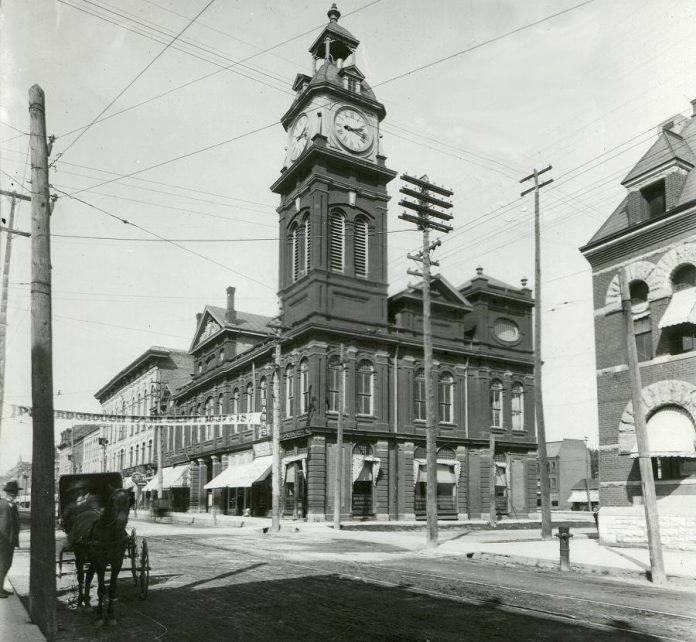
255, 605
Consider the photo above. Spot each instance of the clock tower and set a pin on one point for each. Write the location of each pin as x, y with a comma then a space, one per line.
332, 187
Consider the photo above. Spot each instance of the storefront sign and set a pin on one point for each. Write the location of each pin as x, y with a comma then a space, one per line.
262, 449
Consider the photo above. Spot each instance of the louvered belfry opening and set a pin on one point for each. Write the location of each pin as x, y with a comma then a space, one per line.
337, 229
360, 247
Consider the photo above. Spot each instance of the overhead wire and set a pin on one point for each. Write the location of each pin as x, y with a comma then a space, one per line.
139, 75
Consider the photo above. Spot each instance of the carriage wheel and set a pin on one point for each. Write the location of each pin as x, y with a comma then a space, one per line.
144, 579
133, 554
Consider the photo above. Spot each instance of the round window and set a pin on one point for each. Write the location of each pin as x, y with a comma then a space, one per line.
506, 330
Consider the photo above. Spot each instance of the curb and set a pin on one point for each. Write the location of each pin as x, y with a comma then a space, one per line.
675, 582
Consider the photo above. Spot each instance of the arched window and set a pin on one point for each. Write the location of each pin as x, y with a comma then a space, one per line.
209, 407
221, 404
419, 395
360, 247
249, 397
684, 277
146, 408
307, 225
130, 457
296, 236
333, 387
139, 410
446, 453
304, 386
337, 233
496, 403
365, 450
289, 392
364, 388
517, 406
638, 291
263, 394
446, 398
149, 451
235, 401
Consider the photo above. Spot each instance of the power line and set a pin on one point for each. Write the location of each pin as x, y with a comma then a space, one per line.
182, 247
130, 84
206, 76
482, 44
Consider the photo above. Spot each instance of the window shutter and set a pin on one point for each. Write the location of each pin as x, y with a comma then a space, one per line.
307, 244
336, 240
295, 254
361, 247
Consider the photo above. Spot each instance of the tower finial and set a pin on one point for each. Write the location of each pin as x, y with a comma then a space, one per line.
333, 13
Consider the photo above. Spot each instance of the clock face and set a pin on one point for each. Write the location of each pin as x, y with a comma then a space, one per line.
353, 130
299, 136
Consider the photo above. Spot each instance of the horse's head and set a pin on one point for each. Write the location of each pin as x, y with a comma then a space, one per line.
118, 506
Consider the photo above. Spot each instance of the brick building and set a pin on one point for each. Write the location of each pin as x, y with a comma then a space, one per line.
333, 287
568, 462
143, 388
652, 234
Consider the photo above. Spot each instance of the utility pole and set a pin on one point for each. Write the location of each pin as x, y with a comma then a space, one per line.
42, 578
538, 363
425, 210
276, 472
158, 441
5, 286
588, 474
492, 515
339, 448
647, 481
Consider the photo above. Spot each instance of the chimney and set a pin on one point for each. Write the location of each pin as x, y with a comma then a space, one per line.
231, 314
199, 316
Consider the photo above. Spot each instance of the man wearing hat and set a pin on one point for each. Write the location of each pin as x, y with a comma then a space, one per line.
9, 531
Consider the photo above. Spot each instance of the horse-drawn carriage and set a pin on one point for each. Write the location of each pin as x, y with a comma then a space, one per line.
93, 512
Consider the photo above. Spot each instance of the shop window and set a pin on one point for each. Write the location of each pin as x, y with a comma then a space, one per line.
419, 395
446, 398
364, 388
496, 404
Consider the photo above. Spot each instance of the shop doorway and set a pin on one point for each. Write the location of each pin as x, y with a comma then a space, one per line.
446, 473
295, 491
362, 505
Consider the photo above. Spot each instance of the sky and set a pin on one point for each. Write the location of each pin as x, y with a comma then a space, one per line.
165, 152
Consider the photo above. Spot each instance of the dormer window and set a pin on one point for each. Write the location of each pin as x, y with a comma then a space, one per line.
654, 198
352, 84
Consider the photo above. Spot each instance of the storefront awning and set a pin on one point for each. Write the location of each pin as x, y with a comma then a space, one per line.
172, 477
445, 474
242, 475
670, 434
580, 496
681, 309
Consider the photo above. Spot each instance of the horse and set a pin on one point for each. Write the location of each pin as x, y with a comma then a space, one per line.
98, 537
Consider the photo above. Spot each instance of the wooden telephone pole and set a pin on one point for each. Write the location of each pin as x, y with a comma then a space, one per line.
425, 210
5, 289
538, 363
276, 472
647, 481
42, 577
339, 448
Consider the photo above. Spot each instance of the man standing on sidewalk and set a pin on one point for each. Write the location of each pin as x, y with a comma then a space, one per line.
9, 531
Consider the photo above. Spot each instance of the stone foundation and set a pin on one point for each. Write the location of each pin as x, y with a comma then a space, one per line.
625, 526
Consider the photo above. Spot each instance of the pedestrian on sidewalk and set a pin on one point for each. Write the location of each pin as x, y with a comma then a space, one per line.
9, 531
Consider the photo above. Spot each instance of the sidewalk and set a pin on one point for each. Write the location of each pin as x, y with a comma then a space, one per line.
15, 624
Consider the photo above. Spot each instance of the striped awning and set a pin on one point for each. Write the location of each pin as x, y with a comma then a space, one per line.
681, 309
